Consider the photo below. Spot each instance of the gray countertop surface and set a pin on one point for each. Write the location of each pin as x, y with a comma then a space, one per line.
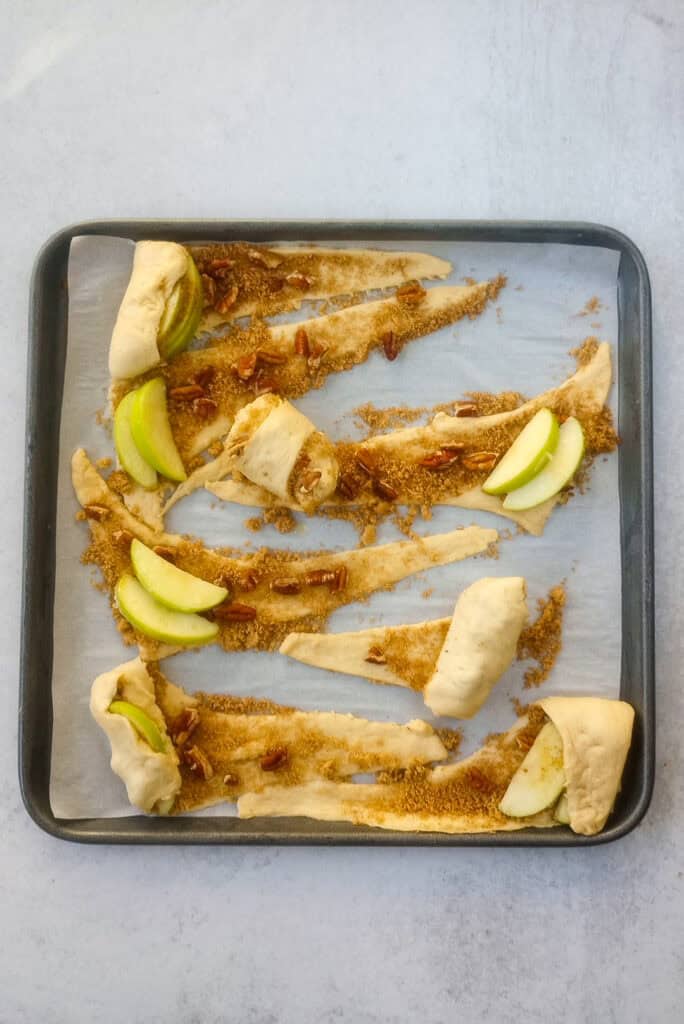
538, 109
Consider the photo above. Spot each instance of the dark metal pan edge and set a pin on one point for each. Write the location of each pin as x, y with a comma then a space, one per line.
138, 829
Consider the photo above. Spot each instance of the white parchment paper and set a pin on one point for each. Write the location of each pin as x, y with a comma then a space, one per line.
521, 344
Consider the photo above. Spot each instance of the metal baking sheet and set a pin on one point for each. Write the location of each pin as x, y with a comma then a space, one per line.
46, 372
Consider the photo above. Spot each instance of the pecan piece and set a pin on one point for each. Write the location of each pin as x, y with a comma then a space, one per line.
205, 376
96, 512
183, 726
319, 577
316, 355
301, 343
276, 284
376, 656
165, 552
439, 460
246, 365
410, 294
340, 581
186, 393
205, 407
221, 264
308, 481
297, 280
264, 384
348, 486
391, 345
364, 460
384, 490
234, 611
198, 762
465, 409
254, 256
285, 585
122, 537
480, 460
248, 581
230, 779
274, 759
208, 290
270, 358
228, 300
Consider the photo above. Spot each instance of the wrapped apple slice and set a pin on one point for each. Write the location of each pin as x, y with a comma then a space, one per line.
123, 703
539, 780
278, 448
160, 310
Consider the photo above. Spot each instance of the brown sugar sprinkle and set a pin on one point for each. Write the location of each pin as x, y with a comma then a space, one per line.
254, 523
120, 481
475, 790
281, 518
519, 708
104, 463
413, 661
591, 306
542, 640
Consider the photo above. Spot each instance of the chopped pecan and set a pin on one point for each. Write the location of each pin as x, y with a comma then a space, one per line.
246, 366
384, 490
198, 762
186, 393
228, 300
248, 581
276, 284
274, 759
286, 585
348, 485
301, 343
205, 376
480, 460
316, 353
391, 345
410, 294
319, 577
308, 481
439, 460
454, 446
298, 280
340, 581
270, 358
221, 264
96, 512
234, 611
183, 726
365, 461
376, 656
164, 552
209, 290
465, 409
205, 407
122, 537
264, 384
230, 779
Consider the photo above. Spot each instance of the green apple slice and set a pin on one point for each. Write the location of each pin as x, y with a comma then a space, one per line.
152, 432
126, 448
182, 313
174, 587
141, 722
539, 780
554, 477
561, 811
529, 453
155, 620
